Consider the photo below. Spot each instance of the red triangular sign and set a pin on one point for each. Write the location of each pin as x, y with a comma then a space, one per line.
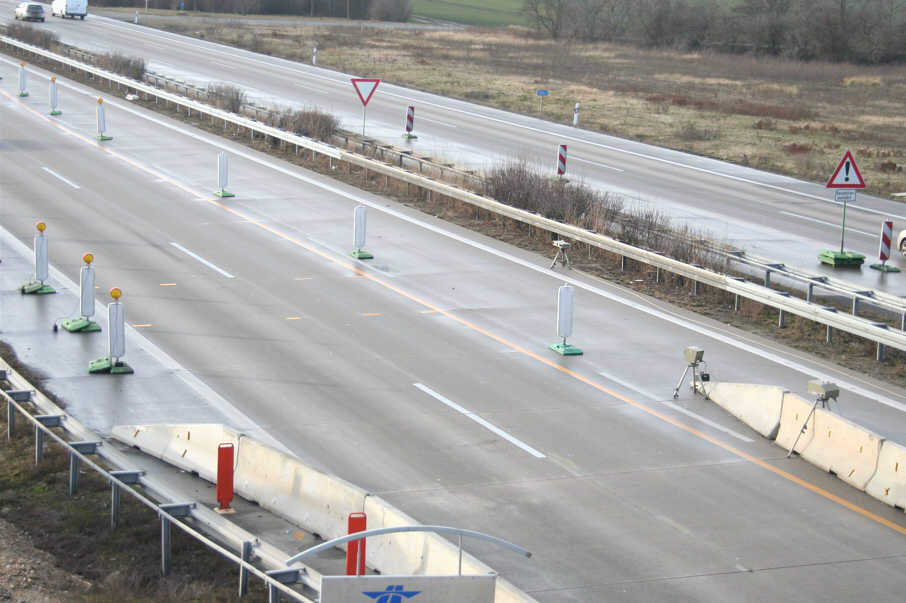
847, 174
365, 88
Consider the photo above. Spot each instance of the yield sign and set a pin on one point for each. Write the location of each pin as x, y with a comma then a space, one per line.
847, 174
365, 88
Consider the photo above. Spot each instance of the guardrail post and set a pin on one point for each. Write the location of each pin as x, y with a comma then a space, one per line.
10, 420
781, 319
829, 338
176, 510
903, 322
696, 287
811, 292
622, 263
737, 303
246, 555
46, 421
657, 276
855, 305
767, 278
879, 354
83, 448
127, 477
283, 576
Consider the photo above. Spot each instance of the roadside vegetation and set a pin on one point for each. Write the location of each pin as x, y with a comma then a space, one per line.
777, 114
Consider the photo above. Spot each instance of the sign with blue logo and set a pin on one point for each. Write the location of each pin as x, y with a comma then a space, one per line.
404, 589
542, 92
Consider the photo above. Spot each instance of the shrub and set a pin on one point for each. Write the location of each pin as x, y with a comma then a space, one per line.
227, 96
32, 35
308, 122
390, 10
116, 62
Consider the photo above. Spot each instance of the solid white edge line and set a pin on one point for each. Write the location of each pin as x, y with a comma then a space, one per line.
202, 260
561, 278
59, 177
708, 422
597, 163
675, 407
489, 426
236, 418
817, 221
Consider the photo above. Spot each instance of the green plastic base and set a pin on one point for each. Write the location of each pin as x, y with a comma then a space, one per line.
560, 179
885, 268
361, 254
23, 94
80, 325
105, 365
55, 113
409, 136
36, 288
102, 137
224, 193
566, 349
846, 258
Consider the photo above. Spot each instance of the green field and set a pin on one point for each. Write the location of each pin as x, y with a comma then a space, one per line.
493, 13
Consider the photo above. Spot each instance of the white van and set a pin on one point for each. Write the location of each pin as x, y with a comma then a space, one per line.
69, 8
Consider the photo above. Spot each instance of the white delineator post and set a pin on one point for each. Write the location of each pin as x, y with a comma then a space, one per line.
359, 223
116, 339
53, 97
38, 285
576, 115
565, 297
86, 287
314, 56
223, 175
102, 121
561, 161
22, 83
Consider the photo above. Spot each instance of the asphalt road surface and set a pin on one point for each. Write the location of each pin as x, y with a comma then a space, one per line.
779, 217
424, 375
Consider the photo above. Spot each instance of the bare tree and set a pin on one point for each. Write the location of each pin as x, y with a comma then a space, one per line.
547, 15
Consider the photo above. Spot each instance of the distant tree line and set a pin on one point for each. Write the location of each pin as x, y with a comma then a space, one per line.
861, 31
388, 10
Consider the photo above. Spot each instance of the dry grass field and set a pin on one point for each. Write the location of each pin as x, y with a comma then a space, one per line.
780, 115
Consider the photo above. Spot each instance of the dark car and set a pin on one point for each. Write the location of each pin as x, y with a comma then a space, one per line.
30, 11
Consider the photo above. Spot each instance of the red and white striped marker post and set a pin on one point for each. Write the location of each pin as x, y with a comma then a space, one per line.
410, 124
884, 251
561, 162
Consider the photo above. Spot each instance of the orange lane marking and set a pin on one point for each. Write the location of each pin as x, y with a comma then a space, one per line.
168, 284
303, 278
359, 273
147, 324
293, 318
371, 314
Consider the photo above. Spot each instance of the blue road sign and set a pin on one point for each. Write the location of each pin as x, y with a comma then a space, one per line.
542, 92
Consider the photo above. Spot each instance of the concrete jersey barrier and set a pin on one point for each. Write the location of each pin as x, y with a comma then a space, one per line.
793, 412
758, 406
889, 481
840, 446
312, 499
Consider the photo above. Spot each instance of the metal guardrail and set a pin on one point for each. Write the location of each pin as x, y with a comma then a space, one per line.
78, 452
784, 302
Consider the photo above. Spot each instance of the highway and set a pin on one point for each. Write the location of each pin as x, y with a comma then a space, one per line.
424, 374
770, 215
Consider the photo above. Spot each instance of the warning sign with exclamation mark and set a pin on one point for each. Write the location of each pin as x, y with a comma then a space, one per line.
847, 174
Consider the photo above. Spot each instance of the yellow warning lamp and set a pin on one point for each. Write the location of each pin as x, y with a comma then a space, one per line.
41, 226
88, 258
115, 293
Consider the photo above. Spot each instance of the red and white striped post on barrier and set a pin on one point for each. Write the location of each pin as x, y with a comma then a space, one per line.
225, 478
561, 161
884, 251
355, 560
410, 123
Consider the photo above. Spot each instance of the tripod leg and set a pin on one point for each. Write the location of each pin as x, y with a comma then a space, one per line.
802, 429
556, 257
680, 384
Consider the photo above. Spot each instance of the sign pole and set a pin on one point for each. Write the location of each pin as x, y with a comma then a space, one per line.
845, 180
363, 121
843, 227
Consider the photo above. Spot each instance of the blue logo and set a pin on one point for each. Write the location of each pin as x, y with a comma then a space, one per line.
393, 594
